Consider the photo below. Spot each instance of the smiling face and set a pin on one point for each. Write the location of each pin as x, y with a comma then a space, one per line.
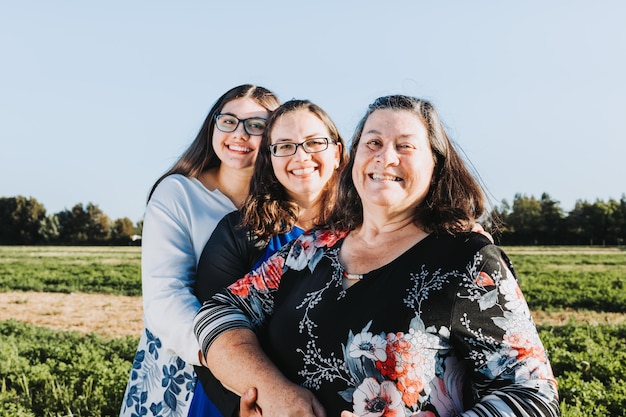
394, 163
238, 149
304, 175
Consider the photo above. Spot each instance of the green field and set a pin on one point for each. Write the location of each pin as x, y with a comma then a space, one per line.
103, 270
52, 373
578, 278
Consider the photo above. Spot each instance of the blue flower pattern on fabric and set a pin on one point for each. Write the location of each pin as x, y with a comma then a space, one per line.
139, 357
140, 410
154, 344
170, 398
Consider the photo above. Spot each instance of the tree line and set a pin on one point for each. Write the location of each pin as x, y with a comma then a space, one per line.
531, 221
24, 221
526, 221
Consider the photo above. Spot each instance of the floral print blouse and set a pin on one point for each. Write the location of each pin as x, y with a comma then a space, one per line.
443, 330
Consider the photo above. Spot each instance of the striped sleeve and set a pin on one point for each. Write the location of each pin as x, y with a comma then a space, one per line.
246, 304
516, 400
216, 316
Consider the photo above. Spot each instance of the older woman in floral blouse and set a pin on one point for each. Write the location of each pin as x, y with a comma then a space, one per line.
396, 308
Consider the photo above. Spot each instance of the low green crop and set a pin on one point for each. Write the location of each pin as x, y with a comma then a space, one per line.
49, 373
572, 279
103, 270
590, 365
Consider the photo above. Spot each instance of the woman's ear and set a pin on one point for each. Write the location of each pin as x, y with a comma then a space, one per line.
338, 155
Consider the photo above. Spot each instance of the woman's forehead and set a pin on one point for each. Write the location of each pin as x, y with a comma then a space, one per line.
394, 122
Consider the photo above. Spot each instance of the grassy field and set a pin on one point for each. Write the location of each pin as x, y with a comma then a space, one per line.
46, 372
102, 270
578, 278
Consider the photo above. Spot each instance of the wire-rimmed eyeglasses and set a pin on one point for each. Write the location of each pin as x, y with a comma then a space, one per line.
312, 145
254, 126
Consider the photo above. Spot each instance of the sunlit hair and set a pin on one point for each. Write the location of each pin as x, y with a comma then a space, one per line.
454, 200
269, 211
200, 155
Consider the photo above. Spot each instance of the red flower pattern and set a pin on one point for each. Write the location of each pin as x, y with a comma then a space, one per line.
266, 277
404, 365
484, 280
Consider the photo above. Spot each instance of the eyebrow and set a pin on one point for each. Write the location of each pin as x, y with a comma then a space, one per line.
241, 118
371, 132
401, 136
313, 136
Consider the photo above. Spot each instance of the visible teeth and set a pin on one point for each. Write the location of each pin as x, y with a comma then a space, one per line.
303, 171
380, 177
239, 148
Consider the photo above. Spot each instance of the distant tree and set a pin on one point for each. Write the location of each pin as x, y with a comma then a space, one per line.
72, 225
618, 226
139, 227
611, 218
82, 225
49, 229
552, 225
20, 220
523, 222
589, 222
99, 229
122, 230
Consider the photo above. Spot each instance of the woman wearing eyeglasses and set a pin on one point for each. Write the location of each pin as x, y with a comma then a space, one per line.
209, 180
293, 188
396, 309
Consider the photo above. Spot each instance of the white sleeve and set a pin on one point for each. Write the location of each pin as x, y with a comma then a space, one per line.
168, 268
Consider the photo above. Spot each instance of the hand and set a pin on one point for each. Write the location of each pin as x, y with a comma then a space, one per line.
346, 413
289, 400
248, 406
478, 228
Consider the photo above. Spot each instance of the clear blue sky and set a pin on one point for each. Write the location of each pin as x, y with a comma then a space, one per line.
97, 99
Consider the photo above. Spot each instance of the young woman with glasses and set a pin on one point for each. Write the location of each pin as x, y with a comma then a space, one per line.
209, 180
293, 188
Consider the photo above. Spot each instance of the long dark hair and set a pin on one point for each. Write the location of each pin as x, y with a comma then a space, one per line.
269, 211
200, 154
455, 199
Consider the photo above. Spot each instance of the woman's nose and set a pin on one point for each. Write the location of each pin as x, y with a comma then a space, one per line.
387, 155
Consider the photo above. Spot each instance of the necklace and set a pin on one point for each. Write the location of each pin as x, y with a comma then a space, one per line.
352, 276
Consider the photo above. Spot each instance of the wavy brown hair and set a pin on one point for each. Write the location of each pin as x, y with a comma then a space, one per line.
200, 155
269, 211
455, 198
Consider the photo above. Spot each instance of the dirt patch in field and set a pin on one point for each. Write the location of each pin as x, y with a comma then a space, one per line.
559, 318
107, 315
117, 316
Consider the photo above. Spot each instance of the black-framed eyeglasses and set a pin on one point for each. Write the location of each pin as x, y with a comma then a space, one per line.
312, 145
254, 126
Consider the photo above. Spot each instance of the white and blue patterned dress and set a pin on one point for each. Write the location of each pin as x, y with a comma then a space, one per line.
179, 219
